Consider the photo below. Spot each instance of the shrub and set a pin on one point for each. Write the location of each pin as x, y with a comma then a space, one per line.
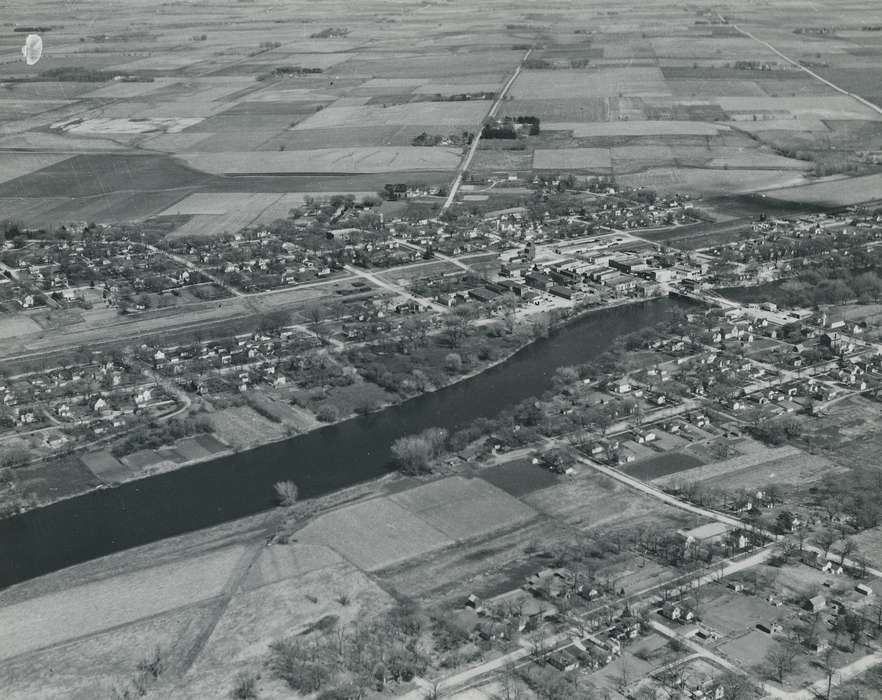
453, 362
245, 686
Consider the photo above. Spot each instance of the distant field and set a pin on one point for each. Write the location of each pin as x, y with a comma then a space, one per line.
711, 181
635, 128
827, 107
572, 159
96, 174
606, 82
327, 160
447, 114
836, 193
14, 165
563, 109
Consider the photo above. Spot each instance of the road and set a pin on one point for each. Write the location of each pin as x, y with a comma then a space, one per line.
464, 165
649, 490
395, 289
865, 103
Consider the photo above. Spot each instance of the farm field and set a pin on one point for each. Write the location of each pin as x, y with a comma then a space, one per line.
49, 620
838, 192
300, 113
383, 159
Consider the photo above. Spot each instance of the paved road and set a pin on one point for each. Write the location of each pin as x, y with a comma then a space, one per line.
395, 289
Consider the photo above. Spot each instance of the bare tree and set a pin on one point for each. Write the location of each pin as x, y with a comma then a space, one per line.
286, 492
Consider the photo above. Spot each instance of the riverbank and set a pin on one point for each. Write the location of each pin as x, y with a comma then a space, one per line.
285, 433
319, 462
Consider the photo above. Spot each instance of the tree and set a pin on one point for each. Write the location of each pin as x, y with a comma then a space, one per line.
829, 664
414, 453
777, 663
286, 492
510, 687
854, 627
848, 547
825, 539
737, 686
456, 330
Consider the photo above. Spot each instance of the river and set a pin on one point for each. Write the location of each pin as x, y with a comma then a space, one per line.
137, 512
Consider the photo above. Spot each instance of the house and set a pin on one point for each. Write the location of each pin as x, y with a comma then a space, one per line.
623, 386
830, 567
588, 592
474, 603
816, 603
676, 612
562, 662
643, 436
818, 645
99, 405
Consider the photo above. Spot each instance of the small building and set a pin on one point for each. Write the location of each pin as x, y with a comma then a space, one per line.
864, 590
816, 603
771, 628
711, 532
